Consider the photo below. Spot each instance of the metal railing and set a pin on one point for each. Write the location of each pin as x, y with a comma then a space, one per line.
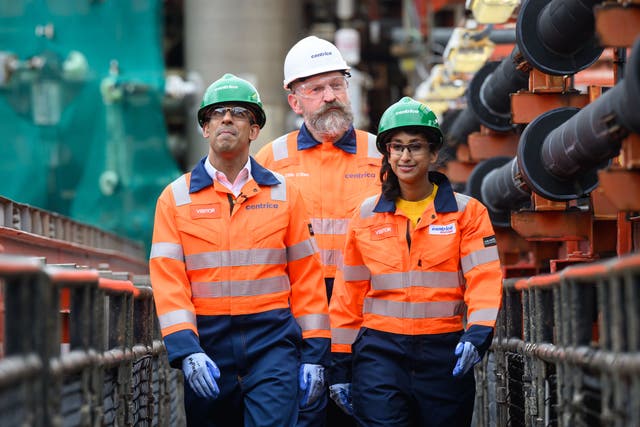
566, 350
81, 347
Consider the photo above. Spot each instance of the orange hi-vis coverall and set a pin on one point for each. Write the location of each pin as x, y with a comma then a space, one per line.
333, 182
421, 281
214, 257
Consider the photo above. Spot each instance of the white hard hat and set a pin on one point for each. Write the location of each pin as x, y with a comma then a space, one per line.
310, 56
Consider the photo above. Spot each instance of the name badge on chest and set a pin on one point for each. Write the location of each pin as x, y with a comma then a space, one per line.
211, 210
384, 231
442, 229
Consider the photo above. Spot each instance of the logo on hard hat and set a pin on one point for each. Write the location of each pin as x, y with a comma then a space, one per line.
316, 55
409, 111
227, 87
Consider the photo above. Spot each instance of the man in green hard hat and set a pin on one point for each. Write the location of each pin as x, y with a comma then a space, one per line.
237, 277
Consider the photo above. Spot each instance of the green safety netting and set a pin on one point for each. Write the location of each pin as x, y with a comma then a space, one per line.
81, 111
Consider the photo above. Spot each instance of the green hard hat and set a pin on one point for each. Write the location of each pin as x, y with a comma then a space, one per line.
232, 89
408, 113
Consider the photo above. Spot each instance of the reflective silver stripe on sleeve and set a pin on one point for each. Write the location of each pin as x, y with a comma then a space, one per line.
279, 148
167, 250
366, 208
372, 150
240, 288
343, 336
330, 256
333, 226
181, 191
356, 272
310, 322
427, 279
279, 192
483, 315
462, 200
301, 250
415, 310
481, 256
235, 258
176, 317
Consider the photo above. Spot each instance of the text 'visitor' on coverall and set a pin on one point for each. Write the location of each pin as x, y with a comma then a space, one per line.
241, 281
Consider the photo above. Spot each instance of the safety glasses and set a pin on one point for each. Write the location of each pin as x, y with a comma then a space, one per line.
414, 148
237, 113
317, 88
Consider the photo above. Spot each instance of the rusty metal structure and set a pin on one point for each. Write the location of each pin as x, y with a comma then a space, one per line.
553, 152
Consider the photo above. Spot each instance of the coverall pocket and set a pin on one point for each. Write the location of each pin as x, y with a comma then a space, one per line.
269, 234
198, 231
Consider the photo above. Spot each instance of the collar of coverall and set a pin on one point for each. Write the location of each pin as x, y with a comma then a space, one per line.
200, 178
347, 143
445, 200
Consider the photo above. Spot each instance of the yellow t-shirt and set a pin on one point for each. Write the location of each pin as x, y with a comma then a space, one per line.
414, 210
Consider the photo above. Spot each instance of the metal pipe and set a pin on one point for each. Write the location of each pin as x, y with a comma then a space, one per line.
465, 123
502, 189
494, 182
441, 35
591, 136
489, 90
504, 80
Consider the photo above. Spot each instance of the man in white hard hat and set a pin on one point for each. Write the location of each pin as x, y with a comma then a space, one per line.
334, 165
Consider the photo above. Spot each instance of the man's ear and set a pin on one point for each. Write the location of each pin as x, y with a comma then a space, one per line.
205, 130
254, 131
294, 103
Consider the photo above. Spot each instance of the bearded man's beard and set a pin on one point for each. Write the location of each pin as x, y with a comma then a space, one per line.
332, 120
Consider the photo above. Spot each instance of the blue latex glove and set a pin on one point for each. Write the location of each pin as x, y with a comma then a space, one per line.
341, 394
467, 355
311, 382
201, 373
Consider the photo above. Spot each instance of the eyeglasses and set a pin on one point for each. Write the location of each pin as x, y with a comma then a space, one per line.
316, 89
415, 148
237, 113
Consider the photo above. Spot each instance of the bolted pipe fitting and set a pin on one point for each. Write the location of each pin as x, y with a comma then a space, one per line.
560, 152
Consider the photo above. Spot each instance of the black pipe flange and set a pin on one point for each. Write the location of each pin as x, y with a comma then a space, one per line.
554, 50
534, 172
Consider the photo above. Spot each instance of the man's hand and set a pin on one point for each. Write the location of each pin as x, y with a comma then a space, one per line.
341, 394
311, 382
201, 373
467, 355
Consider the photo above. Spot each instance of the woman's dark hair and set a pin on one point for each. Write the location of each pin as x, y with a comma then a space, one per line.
389, 180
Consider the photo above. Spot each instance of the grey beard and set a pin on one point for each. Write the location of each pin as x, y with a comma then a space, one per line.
332, 123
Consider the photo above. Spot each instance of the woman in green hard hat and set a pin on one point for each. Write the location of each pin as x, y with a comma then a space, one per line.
419, 259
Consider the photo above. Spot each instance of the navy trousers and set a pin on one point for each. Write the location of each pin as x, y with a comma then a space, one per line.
258, 356
406, 381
